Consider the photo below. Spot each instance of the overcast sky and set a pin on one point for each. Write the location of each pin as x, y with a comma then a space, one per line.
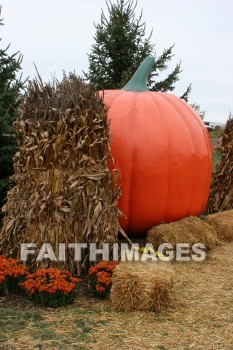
57, 35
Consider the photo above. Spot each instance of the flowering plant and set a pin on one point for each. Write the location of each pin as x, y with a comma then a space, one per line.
99, 278
12, 273
50, 287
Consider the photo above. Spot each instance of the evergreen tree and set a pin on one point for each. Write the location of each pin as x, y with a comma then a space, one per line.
10, 98
119, 48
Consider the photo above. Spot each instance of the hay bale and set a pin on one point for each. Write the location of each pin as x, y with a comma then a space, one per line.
64, 191
223, 223
188, 230
141, 286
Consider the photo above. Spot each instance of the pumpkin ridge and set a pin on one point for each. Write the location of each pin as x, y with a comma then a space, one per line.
131, 198
207, 143
131, 96
154, 99
180, 116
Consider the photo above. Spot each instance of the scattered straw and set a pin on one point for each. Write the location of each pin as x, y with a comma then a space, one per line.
189, 230
142, 286
223, 224
200, 317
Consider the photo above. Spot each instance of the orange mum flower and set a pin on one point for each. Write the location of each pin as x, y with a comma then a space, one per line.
12, 271
50, 280
99, 277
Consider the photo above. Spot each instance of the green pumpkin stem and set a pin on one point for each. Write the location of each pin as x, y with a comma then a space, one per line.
138, 82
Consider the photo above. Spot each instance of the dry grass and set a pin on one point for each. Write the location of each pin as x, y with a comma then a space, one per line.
223, 223
189, 230
201, 317
221, 192
141, 286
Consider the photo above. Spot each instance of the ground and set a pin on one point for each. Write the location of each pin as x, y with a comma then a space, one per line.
200, 317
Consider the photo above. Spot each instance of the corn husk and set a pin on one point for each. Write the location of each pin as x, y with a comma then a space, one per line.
64, 191
221, 192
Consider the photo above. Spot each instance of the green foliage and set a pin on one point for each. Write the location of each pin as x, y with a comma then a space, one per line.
215, 133
93, 283
186, 93
54, 300
121, 45
11, 89
216, 157
99, 278
198, 110
11, 284
195, 106
119, 48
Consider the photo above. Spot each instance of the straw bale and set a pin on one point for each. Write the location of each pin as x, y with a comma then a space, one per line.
63, 189
141, 286
223, 223
188, 230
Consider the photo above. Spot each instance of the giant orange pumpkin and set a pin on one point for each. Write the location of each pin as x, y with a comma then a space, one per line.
163, 152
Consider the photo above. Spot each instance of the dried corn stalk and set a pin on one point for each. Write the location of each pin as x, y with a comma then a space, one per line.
221, 193
63, 192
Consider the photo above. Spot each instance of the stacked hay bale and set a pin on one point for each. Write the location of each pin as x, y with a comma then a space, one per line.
221, 193
223, 223
141, 286
63, 192
188, 230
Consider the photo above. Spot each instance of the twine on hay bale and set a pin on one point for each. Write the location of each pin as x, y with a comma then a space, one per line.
63, 190
223, 223
188, 230
141, 286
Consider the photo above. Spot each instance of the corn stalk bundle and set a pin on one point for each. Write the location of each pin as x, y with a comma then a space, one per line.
64, 191
221, 193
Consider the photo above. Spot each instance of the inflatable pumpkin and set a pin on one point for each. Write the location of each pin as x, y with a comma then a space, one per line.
163, 151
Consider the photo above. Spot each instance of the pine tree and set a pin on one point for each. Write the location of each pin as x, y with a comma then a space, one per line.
121, 45
10, 98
